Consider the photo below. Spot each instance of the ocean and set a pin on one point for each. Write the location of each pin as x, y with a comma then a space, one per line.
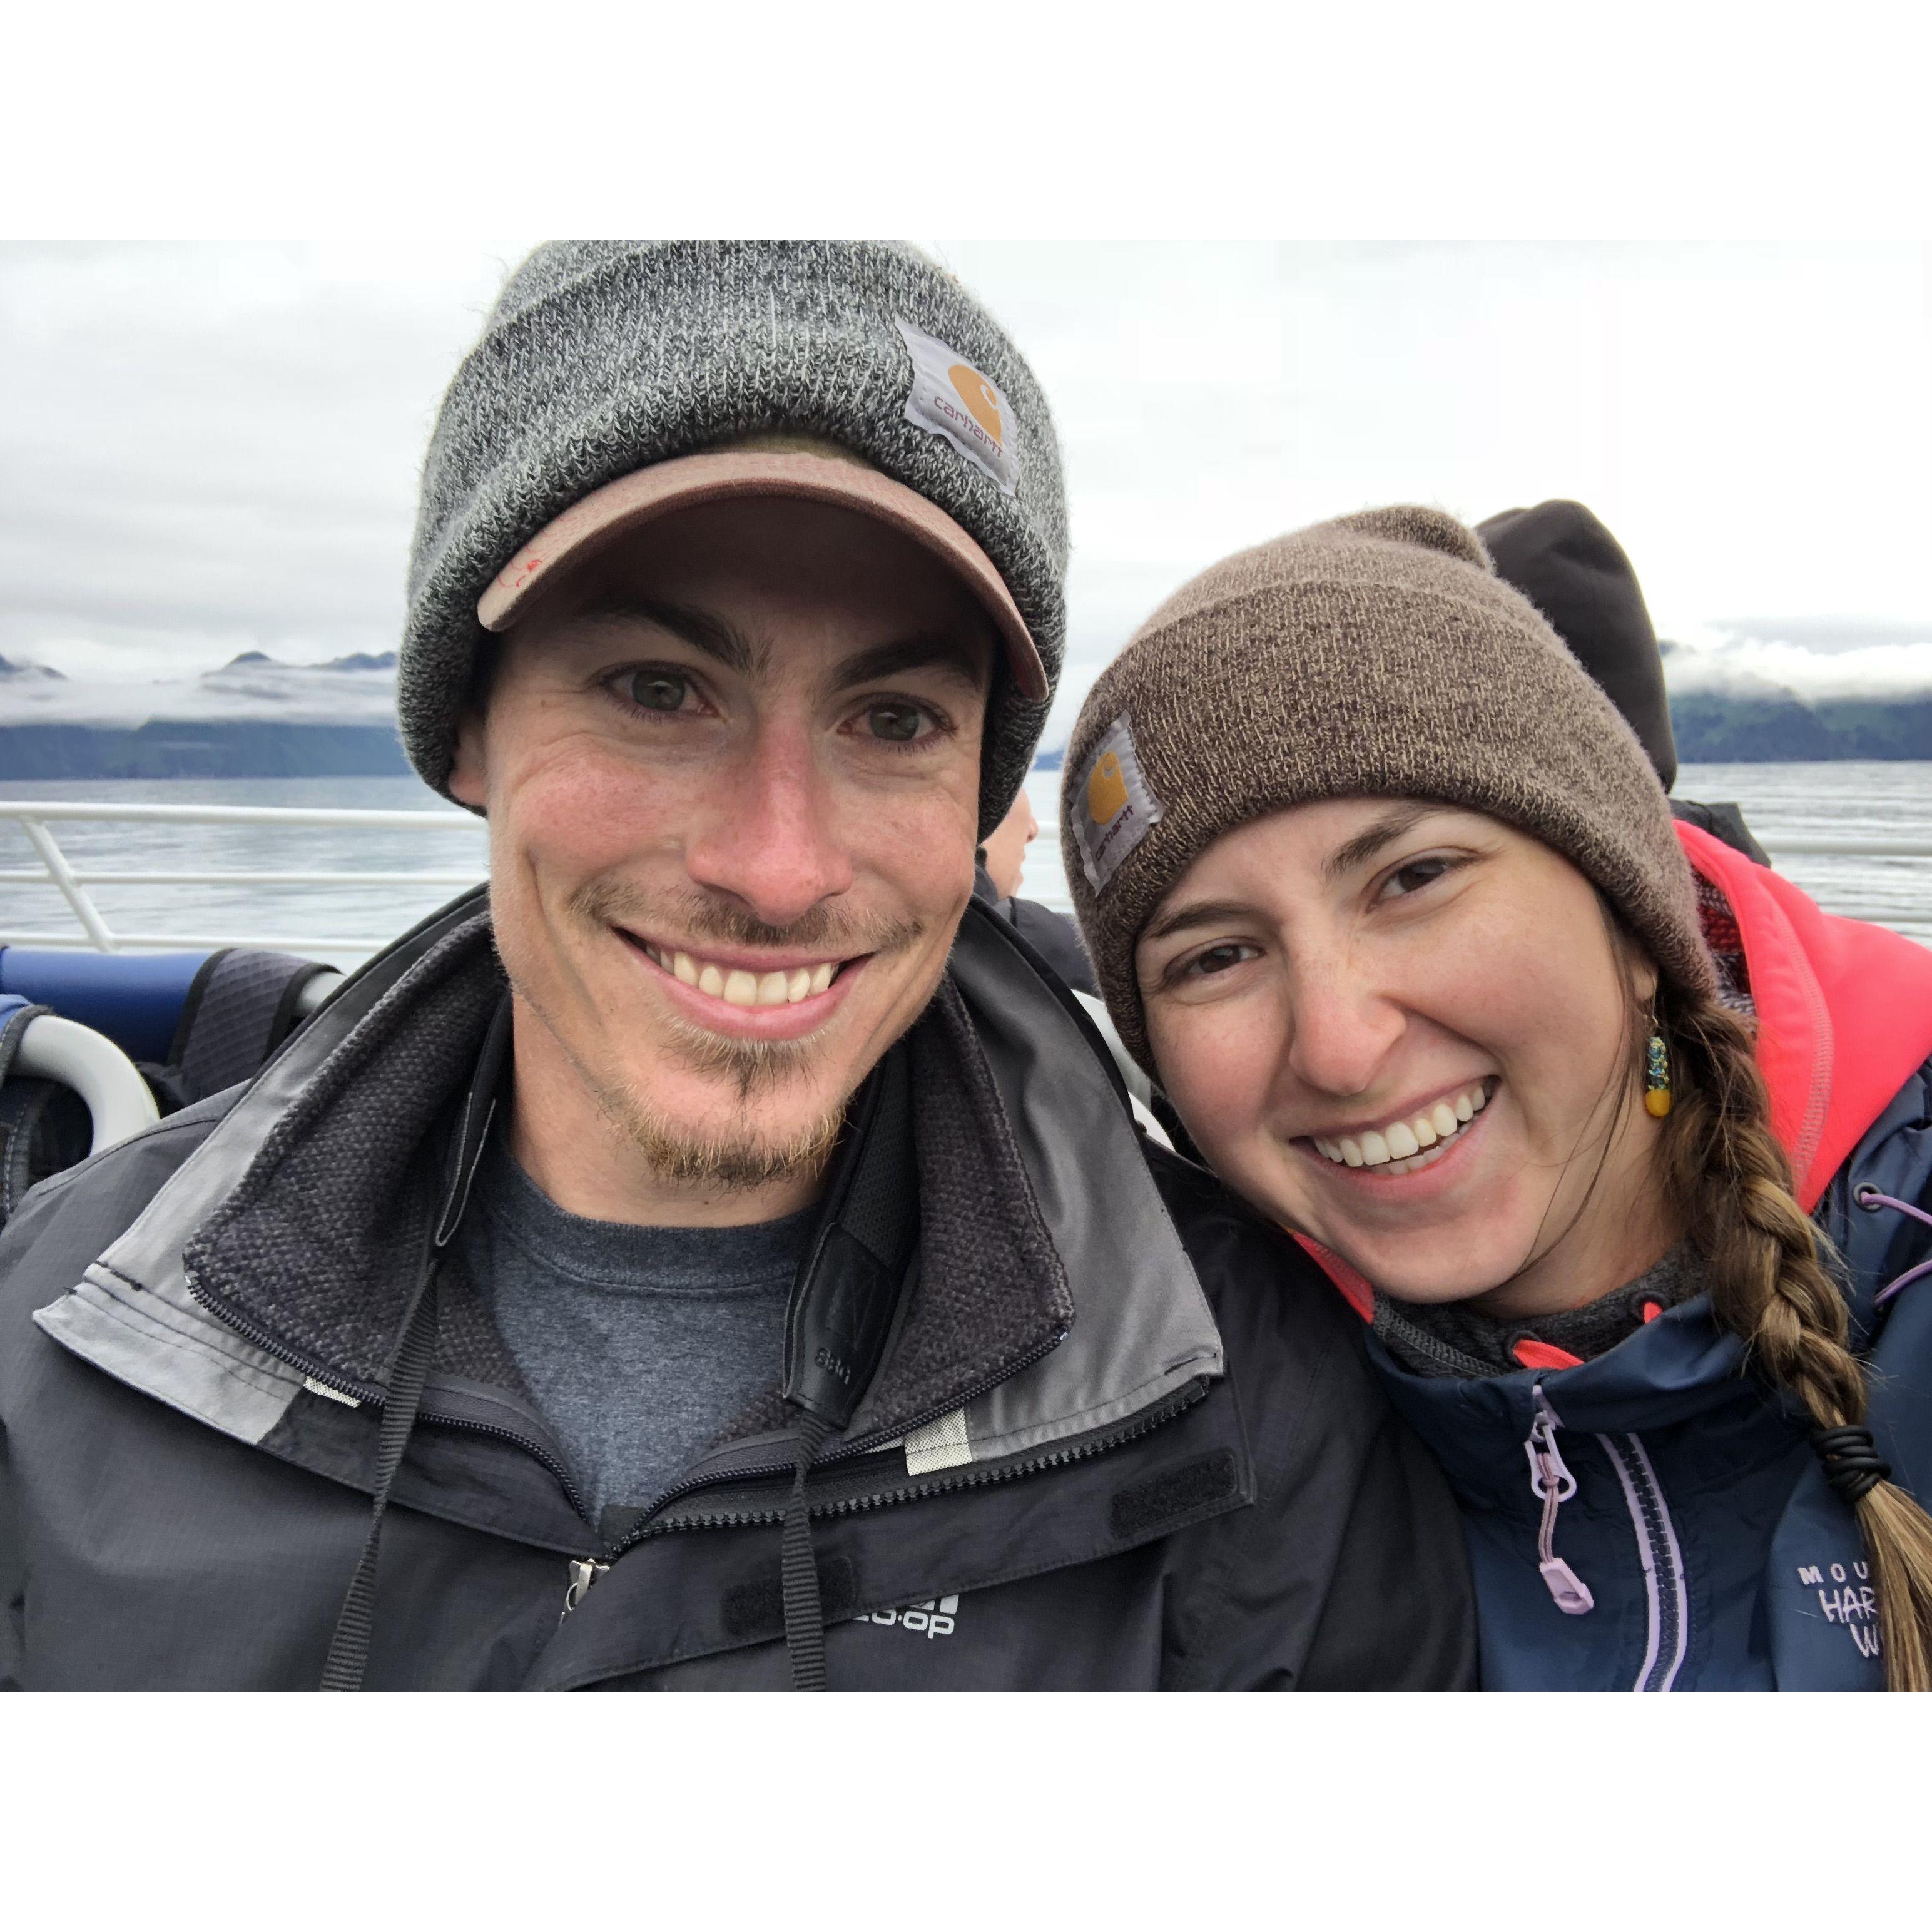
341, 923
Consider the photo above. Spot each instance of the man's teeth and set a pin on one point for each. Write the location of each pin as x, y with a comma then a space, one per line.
738, 987
1401, 1140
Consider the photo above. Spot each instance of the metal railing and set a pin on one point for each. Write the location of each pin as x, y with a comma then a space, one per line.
36, 819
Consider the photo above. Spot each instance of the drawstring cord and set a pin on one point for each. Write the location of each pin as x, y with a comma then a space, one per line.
804, 1614
1871, 1200
349, 1648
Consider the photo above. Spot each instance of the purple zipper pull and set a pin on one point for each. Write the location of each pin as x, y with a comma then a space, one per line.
1551, 1482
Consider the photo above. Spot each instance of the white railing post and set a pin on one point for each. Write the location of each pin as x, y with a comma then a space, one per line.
72, 890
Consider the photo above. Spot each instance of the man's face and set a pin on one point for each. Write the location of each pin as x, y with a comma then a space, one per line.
732, 775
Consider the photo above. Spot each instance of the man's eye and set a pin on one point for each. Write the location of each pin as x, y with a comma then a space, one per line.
897, 724
657, 690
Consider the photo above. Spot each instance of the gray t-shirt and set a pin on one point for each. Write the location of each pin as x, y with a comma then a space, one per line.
640, 1345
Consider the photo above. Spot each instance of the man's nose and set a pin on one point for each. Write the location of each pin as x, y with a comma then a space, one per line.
770, 838
1343, 1025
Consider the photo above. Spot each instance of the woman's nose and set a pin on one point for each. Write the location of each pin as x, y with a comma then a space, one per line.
1342, 1029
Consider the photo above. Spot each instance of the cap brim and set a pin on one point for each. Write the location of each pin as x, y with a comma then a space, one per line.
597, 520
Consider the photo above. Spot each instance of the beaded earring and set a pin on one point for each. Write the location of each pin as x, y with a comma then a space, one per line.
1657, 1078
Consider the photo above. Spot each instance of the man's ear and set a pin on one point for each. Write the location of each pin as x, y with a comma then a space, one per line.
468, 771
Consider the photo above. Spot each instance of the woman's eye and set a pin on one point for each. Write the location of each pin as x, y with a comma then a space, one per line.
1219, 959
657, 690
1412, 877
897, 724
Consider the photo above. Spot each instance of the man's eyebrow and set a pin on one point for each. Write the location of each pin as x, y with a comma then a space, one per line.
935, 650
1201, 912
698, 629
1363, 847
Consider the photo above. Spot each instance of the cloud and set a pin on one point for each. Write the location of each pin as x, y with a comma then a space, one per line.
1830, 633
294, 694
207, 449
1739, 664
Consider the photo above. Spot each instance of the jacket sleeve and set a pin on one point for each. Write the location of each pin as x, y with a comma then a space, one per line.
1400, 1614
1349, 1570
57, 1227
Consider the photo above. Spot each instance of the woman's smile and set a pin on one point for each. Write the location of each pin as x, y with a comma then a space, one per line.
1415, 1138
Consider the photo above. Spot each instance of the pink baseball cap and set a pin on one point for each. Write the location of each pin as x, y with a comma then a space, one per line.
594, 522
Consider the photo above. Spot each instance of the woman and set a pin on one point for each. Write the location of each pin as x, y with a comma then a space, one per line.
1620, 1145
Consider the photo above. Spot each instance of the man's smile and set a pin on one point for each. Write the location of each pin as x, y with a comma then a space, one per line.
767, 995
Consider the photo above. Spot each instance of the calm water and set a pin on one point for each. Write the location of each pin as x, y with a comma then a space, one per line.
1879, 800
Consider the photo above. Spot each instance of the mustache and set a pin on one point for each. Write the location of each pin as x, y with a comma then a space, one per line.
695, 915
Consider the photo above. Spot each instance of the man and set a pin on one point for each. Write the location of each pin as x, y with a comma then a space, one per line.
1051, 934
721, 1258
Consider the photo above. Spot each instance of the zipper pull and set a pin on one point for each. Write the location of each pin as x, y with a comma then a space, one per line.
1550, 1481
583, 1573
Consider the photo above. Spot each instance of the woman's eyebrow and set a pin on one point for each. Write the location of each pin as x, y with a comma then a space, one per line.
1201, 912
1366, 844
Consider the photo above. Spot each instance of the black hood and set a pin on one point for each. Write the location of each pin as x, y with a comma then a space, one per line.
1576, 573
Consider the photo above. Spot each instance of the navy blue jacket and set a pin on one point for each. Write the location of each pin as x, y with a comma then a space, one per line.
1700, 1528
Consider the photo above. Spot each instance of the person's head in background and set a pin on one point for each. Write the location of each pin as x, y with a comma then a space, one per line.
1003, 854
1560, 555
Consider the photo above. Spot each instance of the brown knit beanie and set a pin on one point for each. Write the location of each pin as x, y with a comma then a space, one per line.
1378, 656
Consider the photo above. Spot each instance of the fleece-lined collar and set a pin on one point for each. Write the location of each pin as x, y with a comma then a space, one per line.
1050, 1294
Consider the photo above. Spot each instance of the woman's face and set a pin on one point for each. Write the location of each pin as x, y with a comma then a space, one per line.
1400, 1028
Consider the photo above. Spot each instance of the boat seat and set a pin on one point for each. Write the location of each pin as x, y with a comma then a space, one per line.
184, 1025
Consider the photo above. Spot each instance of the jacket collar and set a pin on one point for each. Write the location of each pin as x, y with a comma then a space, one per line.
1680, 1367
1844, 1010
1048, 1294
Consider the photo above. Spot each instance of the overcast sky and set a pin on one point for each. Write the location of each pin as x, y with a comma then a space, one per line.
208, 449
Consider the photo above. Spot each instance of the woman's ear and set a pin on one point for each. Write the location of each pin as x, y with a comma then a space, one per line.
468, 773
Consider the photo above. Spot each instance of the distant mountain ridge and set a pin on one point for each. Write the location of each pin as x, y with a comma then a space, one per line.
10, 669
212, 748
1773, 726
355, 661
258, 716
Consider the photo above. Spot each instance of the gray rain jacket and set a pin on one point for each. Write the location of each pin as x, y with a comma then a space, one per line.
1072, 1419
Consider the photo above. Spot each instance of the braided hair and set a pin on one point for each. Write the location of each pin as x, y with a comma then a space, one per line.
1727, 1176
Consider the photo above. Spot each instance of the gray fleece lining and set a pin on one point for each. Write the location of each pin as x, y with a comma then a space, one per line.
1451, 1338
296, 1212
307, 1245
989, 1291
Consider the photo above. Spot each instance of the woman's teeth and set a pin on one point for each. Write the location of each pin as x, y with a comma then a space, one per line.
1398, 1144
738, 987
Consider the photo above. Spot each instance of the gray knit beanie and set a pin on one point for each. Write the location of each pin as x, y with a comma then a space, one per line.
1376, 656
601, 357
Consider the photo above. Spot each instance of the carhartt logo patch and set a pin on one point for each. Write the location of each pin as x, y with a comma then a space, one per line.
1117, 807
954, 400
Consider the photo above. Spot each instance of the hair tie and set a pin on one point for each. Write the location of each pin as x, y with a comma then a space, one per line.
1852, 1465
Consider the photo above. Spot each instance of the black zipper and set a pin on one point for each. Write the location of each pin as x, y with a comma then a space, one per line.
866, 1444
253, 1332
1077, 1449
1665, 1582
375, 1395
